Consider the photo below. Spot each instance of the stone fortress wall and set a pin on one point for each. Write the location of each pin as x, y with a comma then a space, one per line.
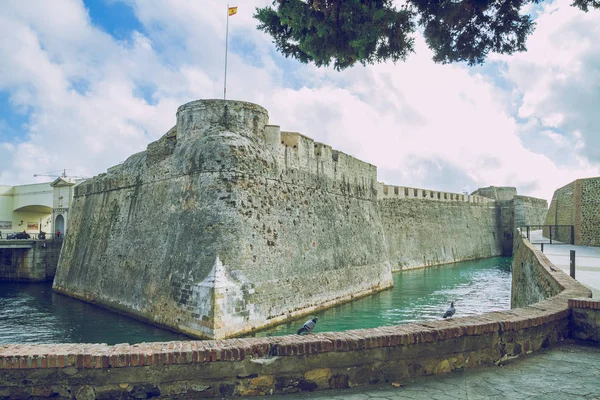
513, 211
426, 227
257, 226
577, 204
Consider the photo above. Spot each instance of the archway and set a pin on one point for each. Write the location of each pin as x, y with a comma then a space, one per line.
59, 224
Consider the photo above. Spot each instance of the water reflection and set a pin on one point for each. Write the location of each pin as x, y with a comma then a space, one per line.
476, 287
32, 313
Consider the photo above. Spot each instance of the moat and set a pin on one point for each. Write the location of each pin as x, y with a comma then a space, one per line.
32, 313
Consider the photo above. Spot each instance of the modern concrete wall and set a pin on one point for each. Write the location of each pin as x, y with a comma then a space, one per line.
290, 364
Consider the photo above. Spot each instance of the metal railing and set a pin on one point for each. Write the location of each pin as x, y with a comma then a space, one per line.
30, 236
551, 234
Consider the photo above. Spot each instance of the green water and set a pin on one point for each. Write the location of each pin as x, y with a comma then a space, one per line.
476, 287
32, 313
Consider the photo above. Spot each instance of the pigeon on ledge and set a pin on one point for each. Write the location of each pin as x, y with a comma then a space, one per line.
308, 326
450, 312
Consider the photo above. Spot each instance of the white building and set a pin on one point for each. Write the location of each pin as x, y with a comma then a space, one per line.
37, 207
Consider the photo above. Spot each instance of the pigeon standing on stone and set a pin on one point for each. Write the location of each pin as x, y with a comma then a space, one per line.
308, 326
450, 312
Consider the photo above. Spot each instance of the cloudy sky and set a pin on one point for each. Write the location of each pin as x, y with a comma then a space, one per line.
84, 84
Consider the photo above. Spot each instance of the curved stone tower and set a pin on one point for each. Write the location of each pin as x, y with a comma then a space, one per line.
226, 225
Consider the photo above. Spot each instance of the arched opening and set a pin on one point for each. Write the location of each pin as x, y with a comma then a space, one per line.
59, 224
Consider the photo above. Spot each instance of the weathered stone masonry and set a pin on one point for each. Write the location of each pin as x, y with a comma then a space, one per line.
29, 260
248, 237
513, 211
256, 226
577, 204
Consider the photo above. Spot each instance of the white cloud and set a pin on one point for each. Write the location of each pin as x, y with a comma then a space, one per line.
427, 125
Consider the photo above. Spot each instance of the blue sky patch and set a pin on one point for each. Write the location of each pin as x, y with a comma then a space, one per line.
12, 122
114, 17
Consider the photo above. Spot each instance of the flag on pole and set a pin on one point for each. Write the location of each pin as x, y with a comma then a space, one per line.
232, 11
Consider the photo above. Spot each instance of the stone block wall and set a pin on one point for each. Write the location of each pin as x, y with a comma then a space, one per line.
589, 213
33, 260
255, 226
534, 278
502, 193
403, 192
561, 212
422, 232
529, 211
576, 204
513, 211
585, 319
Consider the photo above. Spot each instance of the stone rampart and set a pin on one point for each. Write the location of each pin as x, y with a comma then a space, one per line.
513, 211
403, 192
529, 211
256, 226
501, 193
561, 212
427, 227
422, 232
289, 364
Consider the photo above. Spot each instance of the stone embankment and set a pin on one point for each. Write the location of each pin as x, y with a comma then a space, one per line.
29, 260
288, 364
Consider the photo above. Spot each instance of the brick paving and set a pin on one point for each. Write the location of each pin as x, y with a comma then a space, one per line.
568, 371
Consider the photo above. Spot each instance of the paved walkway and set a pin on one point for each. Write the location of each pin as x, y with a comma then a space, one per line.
587, 261
568, 371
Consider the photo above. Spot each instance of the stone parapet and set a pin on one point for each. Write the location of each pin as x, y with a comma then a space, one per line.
403, 192
287, 364
585, 319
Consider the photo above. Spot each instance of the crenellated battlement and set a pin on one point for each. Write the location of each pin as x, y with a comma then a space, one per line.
404, 192
297, 155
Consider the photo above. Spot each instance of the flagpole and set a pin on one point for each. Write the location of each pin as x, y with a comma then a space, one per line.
226, 40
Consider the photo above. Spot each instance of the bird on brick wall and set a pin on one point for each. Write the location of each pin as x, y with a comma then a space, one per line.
308, 326
450, 312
